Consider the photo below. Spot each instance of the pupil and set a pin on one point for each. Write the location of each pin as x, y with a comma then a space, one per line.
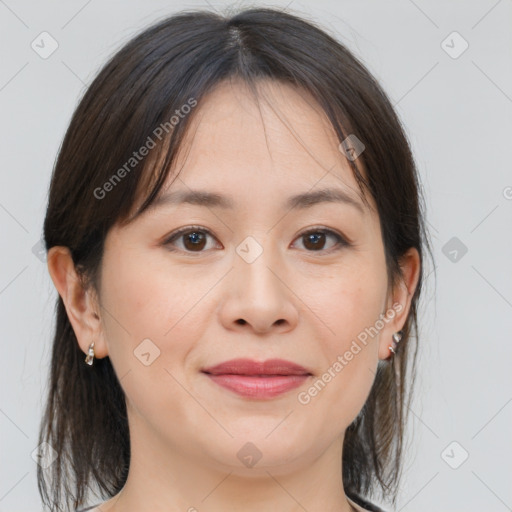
196, 240
314, 239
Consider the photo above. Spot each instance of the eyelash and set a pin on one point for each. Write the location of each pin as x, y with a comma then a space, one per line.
341, 241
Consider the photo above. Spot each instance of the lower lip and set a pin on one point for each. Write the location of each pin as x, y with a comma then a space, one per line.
259, 387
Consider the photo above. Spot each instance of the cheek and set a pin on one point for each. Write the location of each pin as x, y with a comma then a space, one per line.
151, 315
347, 302
151, 326
348, 309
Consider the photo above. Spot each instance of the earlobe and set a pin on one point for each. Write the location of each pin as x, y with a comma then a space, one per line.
77, 301
401, 300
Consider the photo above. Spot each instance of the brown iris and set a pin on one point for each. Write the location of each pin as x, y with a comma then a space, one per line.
197, 240
317, 240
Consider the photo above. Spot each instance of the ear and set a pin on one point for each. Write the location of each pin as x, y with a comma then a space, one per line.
399, 300
82, 306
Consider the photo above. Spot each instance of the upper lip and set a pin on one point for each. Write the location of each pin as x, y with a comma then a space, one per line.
251, 367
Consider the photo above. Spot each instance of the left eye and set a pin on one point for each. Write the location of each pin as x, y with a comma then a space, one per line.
195, 239
315, 240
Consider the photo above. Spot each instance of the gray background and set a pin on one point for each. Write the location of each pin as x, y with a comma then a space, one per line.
457, 109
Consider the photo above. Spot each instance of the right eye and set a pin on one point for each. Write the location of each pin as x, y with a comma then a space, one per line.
192, 238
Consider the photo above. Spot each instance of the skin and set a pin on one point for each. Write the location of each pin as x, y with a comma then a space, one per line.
299, 303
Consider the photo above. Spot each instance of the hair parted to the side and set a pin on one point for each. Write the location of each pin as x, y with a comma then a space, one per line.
173, 63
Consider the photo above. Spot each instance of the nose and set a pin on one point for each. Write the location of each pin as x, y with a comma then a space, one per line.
258, 296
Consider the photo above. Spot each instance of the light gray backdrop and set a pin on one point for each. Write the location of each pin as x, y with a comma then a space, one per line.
447, 68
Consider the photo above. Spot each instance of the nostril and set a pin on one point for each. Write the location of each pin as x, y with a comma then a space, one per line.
241, 321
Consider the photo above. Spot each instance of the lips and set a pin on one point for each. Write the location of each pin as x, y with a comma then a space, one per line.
258, 380
249, 367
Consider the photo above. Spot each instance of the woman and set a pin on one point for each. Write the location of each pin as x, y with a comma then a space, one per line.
235, 232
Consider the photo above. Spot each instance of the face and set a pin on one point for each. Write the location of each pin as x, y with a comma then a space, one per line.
252, 275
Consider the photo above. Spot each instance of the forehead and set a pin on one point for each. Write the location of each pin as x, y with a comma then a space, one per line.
280, 137
279, 123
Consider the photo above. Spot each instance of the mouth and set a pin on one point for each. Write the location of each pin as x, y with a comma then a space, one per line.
258, 380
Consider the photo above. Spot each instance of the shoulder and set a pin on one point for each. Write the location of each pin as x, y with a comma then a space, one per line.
94, 508
363, 505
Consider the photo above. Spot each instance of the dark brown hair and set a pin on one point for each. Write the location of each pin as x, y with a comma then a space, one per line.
173, 63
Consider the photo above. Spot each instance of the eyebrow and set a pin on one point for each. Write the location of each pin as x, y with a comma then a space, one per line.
213, 200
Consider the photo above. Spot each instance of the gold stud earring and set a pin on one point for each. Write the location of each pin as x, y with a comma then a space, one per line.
90, 356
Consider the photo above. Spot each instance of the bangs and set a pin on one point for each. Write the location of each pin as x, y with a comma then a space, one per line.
173, 138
